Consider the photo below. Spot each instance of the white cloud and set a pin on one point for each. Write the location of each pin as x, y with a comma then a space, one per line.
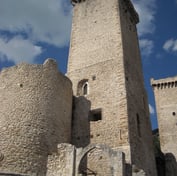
49, 21
146, 46
42, 20
18, 49
151, 109
170, 45
146, 10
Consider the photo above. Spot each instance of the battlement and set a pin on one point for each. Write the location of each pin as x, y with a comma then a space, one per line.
164, 83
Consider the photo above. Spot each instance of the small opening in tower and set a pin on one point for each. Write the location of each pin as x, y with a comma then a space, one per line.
21, 85
138, 124
173, 113
93, 77
144, 102
95, 115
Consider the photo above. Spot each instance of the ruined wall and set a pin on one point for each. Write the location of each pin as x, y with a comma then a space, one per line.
35, 116
62, 162
165, 91
70, 161
100, 160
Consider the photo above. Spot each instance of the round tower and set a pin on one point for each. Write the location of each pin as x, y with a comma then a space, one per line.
35, 116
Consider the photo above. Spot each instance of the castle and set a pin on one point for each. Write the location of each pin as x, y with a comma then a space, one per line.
93, 121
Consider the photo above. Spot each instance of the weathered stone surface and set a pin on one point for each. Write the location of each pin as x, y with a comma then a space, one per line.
100, 160
62, 162
165, 91
35, 115
104, 54
109, 108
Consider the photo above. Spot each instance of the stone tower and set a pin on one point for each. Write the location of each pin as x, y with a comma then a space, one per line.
35, 116
105, 68
165, 91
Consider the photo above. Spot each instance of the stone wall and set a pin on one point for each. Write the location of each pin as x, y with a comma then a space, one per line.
94, 159
62, 162
100, 160
104, 56
139, 125
80, 122
71, 161
35, 115
96, 56
165, 91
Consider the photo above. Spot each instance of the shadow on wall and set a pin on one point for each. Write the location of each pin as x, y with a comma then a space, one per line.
166, 165
170, 165
80, 125
165, 162
80, 122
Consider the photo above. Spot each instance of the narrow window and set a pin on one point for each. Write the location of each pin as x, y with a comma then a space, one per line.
144, 103
85, 88
95, 115
120, 134
138, 125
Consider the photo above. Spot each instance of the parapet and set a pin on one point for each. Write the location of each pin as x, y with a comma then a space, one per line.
35, 116
165, 83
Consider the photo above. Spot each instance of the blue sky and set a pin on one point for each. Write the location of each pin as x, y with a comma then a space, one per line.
32, 31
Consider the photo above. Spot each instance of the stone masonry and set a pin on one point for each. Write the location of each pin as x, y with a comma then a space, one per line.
35, 115
95, 120
165, 91
105, 67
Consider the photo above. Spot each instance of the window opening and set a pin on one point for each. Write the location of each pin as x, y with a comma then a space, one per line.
96, 115
144, 102
85, 89
138, 125
93, 77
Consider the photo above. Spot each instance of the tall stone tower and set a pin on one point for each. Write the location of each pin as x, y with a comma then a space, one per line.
165, 91
105, 67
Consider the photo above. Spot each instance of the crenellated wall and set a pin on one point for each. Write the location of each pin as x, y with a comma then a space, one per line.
35, 116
